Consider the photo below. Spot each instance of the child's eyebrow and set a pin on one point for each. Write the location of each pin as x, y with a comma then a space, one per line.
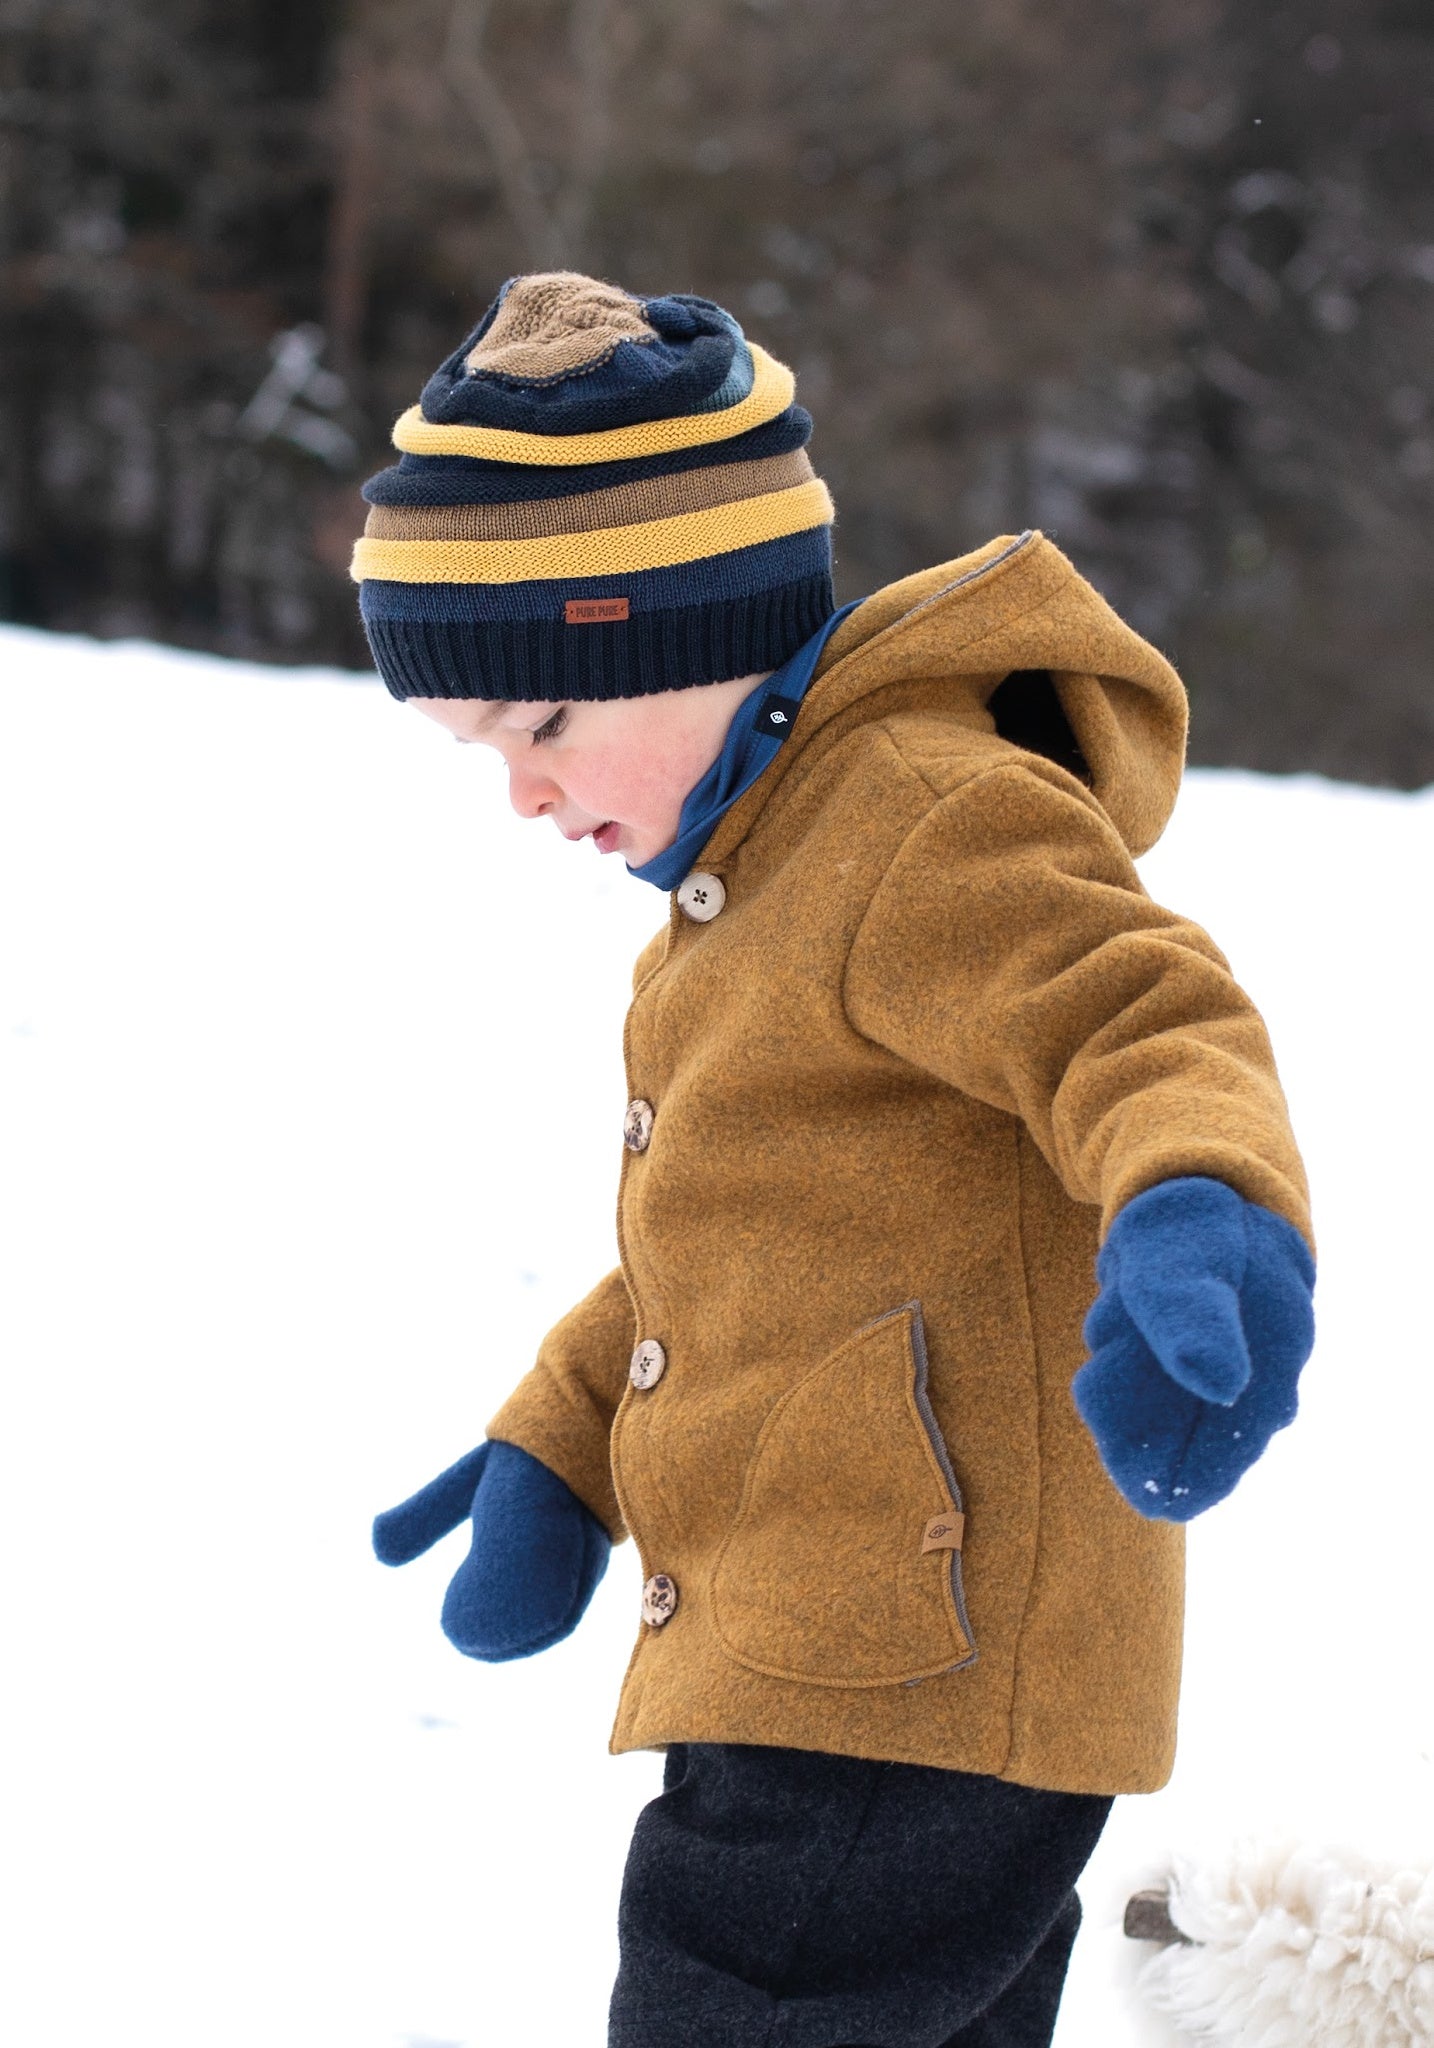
492, 712
486, 718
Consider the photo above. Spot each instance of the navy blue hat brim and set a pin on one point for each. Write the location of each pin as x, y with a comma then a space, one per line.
730, 615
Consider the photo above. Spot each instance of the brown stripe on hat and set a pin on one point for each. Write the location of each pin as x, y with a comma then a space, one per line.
657, 497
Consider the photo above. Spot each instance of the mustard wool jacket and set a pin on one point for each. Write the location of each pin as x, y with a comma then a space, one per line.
912, 1035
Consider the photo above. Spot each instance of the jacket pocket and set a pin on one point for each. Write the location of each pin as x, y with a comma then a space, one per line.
843, 1564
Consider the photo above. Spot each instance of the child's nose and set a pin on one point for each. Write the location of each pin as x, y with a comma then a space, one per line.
530, 792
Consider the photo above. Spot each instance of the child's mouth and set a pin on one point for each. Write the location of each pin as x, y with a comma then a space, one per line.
605, 837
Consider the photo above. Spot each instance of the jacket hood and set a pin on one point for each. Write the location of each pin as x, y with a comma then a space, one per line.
1017, 606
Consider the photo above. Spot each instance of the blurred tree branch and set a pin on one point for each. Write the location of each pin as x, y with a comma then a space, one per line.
355, 181
552, 226
592, 44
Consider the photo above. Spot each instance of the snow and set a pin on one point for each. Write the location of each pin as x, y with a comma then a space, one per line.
310, 1078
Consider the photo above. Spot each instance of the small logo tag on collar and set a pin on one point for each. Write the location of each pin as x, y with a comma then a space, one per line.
776, 716
591, 611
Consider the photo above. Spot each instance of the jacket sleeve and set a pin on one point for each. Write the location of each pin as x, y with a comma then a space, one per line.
1011, 949
561, 1411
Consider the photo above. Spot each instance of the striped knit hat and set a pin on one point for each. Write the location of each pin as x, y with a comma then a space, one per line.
599, 496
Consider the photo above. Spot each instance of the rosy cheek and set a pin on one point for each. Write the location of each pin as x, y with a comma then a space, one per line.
615, 778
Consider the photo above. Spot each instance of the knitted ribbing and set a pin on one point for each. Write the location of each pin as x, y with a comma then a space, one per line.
628, 504
770, 393
599, 496
607, 551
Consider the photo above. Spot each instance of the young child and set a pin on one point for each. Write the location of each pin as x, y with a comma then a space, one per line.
920, 1083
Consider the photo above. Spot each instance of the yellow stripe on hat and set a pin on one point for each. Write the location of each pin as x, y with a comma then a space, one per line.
611, 551
772, 390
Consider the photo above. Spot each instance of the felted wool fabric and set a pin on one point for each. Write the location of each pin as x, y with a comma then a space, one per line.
403, 1533
1197, 1337
535, 1559
598, 495
937, 1037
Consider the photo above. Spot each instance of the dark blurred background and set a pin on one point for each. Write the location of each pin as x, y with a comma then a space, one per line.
1154, 275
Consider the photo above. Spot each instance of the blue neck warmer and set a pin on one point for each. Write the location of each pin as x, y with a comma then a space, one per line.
762, 722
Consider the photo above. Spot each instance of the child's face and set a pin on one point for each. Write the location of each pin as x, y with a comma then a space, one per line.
619, 768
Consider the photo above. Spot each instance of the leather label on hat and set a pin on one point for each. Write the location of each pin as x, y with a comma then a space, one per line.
587, 611
944, 1532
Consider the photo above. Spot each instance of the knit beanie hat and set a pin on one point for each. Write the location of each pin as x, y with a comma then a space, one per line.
598, 496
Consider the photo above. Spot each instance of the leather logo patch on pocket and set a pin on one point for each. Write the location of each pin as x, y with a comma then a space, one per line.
944, 1532
824, 1576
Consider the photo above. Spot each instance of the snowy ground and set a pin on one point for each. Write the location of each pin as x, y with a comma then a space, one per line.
310, 1081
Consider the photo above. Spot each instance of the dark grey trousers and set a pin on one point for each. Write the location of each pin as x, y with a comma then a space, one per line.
780, 1898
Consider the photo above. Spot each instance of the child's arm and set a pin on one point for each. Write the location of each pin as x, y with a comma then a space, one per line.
561, 1411
538, 1491
1011, 949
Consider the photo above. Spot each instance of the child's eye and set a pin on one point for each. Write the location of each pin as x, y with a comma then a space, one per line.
552, 727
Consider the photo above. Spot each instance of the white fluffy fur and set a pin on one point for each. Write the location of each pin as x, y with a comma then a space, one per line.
1299, 1948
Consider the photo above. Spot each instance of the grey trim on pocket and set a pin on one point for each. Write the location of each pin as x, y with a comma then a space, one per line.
943, 1458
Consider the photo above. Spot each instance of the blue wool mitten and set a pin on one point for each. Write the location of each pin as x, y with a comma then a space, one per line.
1203, 1320
536, 1557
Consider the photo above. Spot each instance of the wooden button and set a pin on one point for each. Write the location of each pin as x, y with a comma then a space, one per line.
701, 897
637, 1125
659, 1600
649, 1363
